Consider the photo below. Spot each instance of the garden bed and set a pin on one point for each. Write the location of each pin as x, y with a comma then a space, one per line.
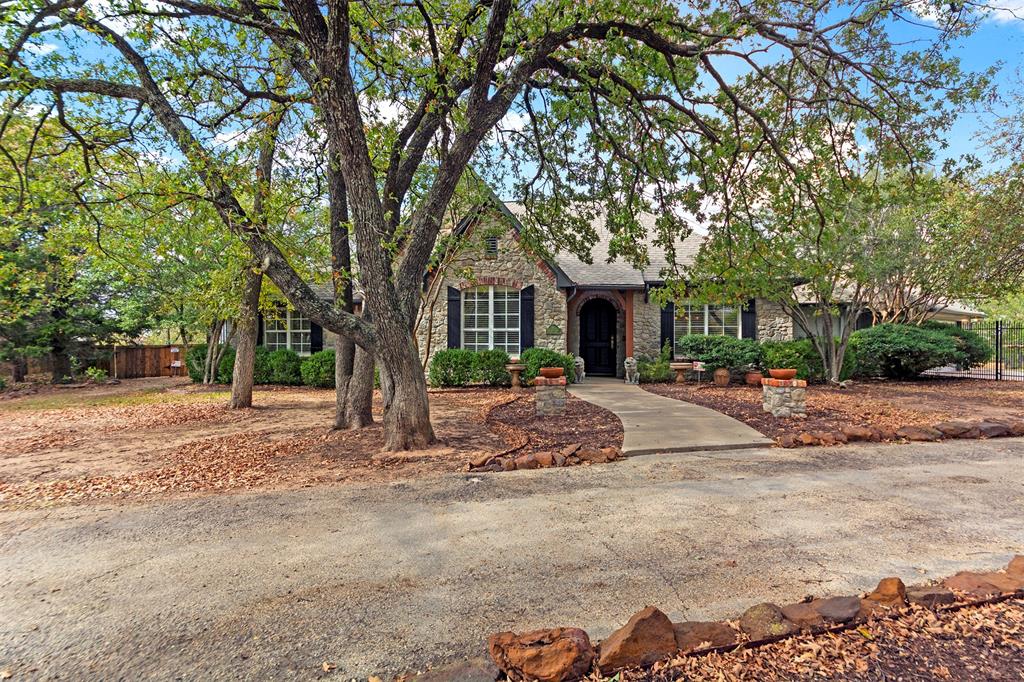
881, 406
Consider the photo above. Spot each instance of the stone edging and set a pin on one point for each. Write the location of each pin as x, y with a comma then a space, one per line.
566, 654
952, 429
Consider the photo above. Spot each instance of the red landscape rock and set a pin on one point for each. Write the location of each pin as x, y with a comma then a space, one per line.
930, 596
1015, 568
556, 655
983, 585
527, 462
890, 592
958, 429
570, 449
1016, 426
803, 615
766, 621
545, 459
860, 433
787, 440
807, 439
993, 429
508, 464
886, 433
693, 635
647, 637
919, 433
480, 460
837, 610
825, 437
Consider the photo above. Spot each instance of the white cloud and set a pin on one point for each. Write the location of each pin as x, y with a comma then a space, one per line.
1006, 10
40, 48
514, 121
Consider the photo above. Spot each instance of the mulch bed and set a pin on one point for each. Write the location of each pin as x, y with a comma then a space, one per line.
973, 643
583, 424
885, 405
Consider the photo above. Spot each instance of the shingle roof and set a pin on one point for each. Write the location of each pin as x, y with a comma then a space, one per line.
619, 273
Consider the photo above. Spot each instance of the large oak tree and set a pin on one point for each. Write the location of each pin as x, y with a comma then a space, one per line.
625, 105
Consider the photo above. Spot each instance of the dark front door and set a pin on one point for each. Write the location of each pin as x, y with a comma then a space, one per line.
597, 337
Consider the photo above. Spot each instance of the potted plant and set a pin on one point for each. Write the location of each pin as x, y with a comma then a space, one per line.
722, 376
783, 373
753, 376
552, 372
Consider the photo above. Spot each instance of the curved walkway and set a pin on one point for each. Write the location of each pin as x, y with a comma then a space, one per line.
654, 423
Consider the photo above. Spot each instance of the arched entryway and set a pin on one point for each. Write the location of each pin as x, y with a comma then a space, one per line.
598, 336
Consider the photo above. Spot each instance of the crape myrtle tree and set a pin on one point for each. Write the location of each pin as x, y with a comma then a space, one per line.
627, 105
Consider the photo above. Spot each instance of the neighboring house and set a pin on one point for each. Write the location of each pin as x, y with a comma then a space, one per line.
498, 294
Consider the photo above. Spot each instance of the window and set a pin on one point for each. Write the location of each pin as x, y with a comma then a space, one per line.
490, 319
707, 320
284, 328
491, 247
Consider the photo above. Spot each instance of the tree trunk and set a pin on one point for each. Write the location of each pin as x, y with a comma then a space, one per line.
357, 412
407, 408
245, 346
19, 369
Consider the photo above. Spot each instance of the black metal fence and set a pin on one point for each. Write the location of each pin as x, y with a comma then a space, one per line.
1007, 338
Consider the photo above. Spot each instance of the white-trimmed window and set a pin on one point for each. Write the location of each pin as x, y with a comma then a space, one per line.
707, 320
490, 319
283, 328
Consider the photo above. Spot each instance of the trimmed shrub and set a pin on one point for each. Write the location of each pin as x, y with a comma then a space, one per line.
226, 367
801, 355
195, 358
96, 374
489, 368
318, 369
285, 367
656, 371
261, 372
973, 349
718, 352
535, 358
451, 367
901, 351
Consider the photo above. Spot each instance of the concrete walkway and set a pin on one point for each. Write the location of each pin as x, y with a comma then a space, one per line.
656, 424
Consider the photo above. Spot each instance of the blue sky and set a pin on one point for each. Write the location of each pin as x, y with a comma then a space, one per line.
995, 42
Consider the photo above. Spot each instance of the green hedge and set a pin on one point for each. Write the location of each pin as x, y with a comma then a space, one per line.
451, 367
535, 358
195, 359
717, 352
901, 351
489, 368
972, 349
284, 367
318, 369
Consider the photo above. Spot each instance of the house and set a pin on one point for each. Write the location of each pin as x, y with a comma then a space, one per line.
497, 293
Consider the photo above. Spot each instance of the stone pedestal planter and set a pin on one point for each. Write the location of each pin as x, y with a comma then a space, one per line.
680, 368
550, 398
515, 370
784, 397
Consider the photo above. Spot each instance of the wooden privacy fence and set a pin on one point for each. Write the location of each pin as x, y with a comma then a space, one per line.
132, 362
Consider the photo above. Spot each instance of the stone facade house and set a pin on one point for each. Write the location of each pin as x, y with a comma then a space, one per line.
497, 293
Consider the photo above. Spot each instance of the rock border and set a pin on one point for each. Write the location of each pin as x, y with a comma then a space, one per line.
567, 655
945, 430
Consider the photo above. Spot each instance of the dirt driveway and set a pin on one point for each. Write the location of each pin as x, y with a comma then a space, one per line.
383, 578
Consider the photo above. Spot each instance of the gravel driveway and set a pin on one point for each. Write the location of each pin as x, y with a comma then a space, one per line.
378, 580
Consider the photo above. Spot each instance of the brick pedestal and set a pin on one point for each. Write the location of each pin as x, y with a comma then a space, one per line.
550, 398
784, 397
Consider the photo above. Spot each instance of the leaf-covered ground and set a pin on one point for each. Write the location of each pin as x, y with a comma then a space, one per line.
144, 439
974, 643
881, 404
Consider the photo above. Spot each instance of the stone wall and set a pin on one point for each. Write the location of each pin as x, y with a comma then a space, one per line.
514, 266
773, 322
784, 397
646, 327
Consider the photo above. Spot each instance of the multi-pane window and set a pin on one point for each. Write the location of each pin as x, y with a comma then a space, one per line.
490, 319
284, 328
706, 320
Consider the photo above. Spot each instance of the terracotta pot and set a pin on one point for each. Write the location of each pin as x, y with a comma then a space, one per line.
721, 377
552, 372
782, 373
754, 378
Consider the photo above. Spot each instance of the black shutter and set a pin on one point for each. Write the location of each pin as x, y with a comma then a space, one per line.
748, 320
668, 325
259, 329
454, 318
316, 337
526, 318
